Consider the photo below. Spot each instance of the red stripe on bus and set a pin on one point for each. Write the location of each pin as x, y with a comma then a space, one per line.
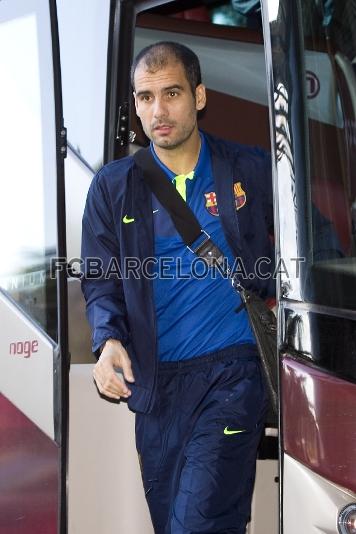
319, 421
29, 475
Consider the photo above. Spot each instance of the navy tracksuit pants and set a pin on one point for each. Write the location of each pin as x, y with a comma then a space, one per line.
198, 446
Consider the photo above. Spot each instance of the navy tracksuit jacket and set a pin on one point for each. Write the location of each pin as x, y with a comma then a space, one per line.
124, 309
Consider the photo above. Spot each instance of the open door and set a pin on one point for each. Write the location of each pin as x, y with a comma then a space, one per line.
33, 329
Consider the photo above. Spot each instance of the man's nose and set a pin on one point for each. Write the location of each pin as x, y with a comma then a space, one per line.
160, 109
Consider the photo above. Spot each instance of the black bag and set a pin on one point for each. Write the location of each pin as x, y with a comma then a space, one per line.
264, 325
262, 319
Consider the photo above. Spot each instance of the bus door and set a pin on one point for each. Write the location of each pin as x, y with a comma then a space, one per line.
33, 331
311, 69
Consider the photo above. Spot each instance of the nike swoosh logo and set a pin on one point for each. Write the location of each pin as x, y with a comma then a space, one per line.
229, 432
126, 219
155, 211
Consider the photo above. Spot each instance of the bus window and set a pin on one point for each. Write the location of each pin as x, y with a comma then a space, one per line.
83, 33
330, 55
223, 12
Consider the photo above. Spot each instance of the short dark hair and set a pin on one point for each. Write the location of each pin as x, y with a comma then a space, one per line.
157, 56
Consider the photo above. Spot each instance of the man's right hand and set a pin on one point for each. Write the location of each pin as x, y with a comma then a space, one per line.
113, 356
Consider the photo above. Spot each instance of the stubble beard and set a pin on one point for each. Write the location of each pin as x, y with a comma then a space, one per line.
171, 144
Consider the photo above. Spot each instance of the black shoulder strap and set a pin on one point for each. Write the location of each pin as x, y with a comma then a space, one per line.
182, 216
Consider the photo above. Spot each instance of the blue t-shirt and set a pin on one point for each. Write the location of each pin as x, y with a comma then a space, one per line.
195, 306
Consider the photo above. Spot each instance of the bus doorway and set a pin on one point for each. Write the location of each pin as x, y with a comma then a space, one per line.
309, 96
233, 65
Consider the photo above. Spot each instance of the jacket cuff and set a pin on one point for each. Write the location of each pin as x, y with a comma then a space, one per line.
100, 341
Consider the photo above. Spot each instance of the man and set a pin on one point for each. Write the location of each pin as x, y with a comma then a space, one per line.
184, 343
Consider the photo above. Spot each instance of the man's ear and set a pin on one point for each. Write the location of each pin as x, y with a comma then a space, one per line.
200, 97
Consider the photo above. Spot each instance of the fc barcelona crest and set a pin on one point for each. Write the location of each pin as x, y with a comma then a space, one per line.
240, 195
211, 204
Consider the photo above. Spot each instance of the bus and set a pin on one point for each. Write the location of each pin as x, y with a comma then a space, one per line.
280, 74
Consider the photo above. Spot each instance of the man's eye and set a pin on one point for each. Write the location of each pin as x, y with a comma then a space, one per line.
172, 94
145, 98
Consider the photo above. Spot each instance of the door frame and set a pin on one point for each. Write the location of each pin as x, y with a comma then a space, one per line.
61, 395
122, 22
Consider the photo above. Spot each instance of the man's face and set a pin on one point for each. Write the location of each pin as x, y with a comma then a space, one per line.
165, 104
